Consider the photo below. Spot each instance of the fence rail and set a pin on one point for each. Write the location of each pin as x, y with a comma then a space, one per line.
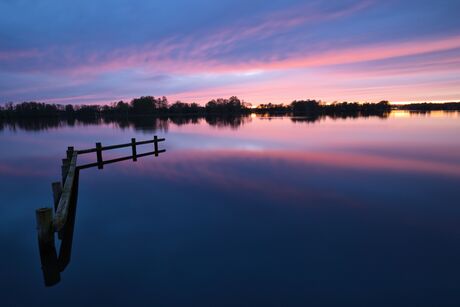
99, 149
134, 158
91, 150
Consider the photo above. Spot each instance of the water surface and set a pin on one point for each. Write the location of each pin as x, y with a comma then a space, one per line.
270, 211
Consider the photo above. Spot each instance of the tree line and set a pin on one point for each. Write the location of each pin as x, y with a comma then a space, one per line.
425, 106
149, 105
152, 106
145, 105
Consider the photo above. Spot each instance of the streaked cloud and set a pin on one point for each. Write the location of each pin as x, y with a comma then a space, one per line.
335, 50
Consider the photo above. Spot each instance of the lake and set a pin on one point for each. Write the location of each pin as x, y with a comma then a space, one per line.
268, 211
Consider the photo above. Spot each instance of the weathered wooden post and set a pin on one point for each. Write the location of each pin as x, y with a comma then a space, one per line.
133, 145
155, 142
100, 164
64, 201
64, 169
57, 191
70, 151
65, 249
48, 255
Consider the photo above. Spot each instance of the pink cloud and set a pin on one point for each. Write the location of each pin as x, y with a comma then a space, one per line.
355, 54
190, 54
202, 54
330, 87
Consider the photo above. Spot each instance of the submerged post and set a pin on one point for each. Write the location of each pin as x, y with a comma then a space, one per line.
133, 145
155, 142
100, 164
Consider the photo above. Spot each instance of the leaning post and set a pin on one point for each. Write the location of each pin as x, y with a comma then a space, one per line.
57, 191
100, 164
62, 210
64, 169
155, 142
133, 145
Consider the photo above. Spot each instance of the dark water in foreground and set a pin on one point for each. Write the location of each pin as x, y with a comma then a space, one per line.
273, 212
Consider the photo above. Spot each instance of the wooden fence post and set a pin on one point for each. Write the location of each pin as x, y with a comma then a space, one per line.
60, 217
57, 191
155, 142
64, 169
70, 150
100, 164
133, 145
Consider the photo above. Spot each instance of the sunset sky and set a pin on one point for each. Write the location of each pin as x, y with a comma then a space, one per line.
261, 51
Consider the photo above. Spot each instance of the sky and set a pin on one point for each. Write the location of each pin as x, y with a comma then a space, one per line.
261, 51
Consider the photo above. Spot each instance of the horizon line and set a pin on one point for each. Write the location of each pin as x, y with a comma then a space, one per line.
105, 102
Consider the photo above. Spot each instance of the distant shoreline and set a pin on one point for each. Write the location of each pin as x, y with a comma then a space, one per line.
160, 107
152, 123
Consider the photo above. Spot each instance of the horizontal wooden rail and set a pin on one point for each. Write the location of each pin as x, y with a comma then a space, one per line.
86, 151
89, 165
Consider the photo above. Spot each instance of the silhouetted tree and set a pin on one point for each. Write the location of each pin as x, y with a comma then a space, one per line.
448, 106
69, 109
144, 105
305, 106
221, 105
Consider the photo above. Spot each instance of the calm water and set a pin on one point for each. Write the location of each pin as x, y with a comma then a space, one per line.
265, 211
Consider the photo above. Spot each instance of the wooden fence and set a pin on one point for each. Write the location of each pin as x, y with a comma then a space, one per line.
99, 149
64, 194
